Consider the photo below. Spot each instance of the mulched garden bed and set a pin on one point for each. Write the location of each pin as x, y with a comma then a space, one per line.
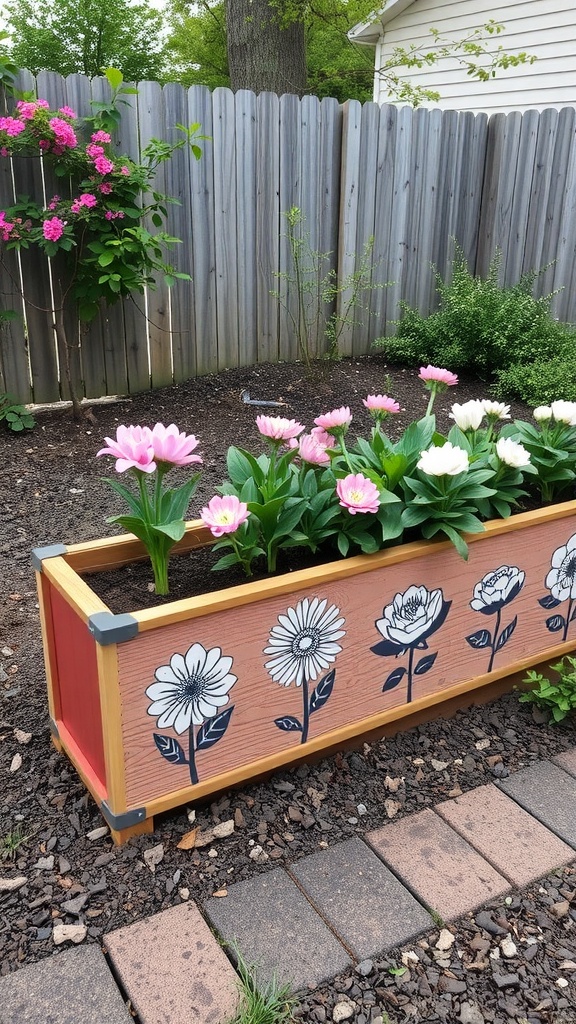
51, 491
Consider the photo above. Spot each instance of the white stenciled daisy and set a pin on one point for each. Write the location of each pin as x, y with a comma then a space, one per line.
304, 642
191, 688
561, 580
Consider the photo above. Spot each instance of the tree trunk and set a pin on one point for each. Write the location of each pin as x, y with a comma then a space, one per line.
263, 56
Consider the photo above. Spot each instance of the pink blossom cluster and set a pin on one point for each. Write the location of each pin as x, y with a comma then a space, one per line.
53, 229
27, 108
13, 126
6, 227
65, 136
105, 188
103, 165
93, 150
53, 204
101, 137
114, 214
87, 200
141, 448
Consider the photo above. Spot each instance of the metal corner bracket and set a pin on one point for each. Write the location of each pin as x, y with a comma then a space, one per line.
50, 551
107, 628
124, 820
54, 729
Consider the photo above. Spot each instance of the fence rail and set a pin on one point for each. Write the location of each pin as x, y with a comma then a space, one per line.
415, 181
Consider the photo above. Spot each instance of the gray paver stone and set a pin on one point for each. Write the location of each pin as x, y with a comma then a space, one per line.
360, 897
547, 792
567, 760
277, 931
65, 988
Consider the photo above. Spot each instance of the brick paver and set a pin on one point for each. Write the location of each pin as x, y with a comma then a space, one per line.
277, 931
437, 864
567, 760
173, 969
68, 987
360, 898
514, 842
549, 793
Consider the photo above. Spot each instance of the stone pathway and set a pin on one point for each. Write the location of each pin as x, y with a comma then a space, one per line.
309, 921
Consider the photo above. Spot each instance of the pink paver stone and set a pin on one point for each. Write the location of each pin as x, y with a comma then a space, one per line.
511, 839
437, 864
567, 760
173, 969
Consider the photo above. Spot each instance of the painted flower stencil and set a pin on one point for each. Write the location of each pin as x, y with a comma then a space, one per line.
303, 644
406, 624
561, 582
190, 692
494, 591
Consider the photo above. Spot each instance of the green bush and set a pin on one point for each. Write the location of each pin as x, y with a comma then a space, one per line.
480, 326
541, 382
559, 698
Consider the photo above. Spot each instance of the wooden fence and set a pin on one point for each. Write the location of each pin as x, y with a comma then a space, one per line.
414, 180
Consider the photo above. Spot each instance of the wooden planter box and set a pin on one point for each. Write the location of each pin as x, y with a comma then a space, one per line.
370, 640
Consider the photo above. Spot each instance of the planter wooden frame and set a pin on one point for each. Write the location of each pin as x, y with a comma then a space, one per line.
99, 665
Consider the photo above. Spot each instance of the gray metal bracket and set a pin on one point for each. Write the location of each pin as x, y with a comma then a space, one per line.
54, 729
50, 551
124, 820
107, 628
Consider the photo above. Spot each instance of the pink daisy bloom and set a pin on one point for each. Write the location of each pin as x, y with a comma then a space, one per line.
278, 428
132, 449
358, 494
338, 420
381, 405
224, 514
170, 445
320, 435
437, 375
312, 451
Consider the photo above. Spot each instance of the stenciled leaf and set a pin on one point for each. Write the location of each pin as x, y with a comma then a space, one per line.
170, 749
213, 729
394, 678
425, 664
506, 634
322, 692
288, 724
479, 639
555, 623
548, 601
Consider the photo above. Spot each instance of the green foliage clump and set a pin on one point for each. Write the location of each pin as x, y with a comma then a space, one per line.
542, 381
483, 327
559, 698
17, 417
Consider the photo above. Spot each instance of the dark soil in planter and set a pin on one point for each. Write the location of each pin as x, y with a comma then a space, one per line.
51, 491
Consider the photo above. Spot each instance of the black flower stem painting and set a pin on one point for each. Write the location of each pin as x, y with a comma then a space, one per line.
406, 624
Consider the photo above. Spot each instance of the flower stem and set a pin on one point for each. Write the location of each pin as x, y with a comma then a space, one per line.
410, 663
495, 639
345, 452
305, 711
191, 755
431, 401
568, 617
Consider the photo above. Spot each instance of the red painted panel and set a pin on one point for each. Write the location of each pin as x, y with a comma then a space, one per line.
78, 683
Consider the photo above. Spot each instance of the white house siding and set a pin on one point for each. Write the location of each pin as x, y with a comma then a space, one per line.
544, 28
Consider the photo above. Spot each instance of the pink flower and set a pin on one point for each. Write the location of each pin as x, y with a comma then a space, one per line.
6, 228
277, 428
26, 109
44, 144
381, 405
53, 202
114, 214
12, 126
172, 446
53, 229
132, 449
320, 435
103, 165
101, 137
124, 169
105, 188
85, 200
4, 151
336, 421
94, 151
310, 450
358, 494
43, 103
68, 112
438, 375
64, 132
224, 515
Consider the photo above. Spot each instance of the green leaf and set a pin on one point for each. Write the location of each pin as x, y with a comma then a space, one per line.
114, 77
173, 530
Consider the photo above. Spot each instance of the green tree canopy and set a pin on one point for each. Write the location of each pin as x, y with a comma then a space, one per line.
85, 36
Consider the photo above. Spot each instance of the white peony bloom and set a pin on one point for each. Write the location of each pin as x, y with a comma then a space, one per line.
564, 412
561, 580
512, 453
448, 460
497, 588
412, 616
496, 409
468, 416
542, 413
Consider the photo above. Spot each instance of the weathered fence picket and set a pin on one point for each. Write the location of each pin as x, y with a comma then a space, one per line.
416, 181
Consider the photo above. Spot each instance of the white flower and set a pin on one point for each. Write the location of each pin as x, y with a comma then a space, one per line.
564, 412
561, 580
497, 588
468, 416
304, 642
511, 453
496, 409
412, 616
449, 460
191, 688
542, 412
